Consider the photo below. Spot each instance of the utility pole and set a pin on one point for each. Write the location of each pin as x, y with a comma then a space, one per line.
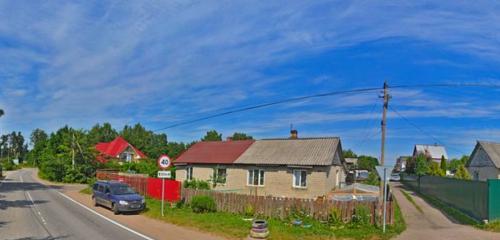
386, 98
382, 195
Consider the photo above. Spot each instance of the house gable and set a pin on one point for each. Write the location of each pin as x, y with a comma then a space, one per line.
482, 156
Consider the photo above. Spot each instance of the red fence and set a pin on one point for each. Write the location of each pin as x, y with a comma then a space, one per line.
148, 186
172, 189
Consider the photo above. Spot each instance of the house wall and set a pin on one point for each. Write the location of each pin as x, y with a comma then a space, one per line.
481, 167
278, 180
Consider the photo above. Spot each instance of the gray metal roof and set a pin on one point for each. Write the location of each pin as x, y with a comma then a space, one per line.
493, 151
301, 152
433, 151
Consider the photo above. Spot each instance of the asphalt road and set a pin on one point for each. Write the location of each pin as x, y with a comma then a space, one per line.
30, 210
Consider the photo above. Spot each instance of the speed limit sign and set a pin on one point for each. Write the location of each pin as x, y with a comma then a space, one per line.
164, 162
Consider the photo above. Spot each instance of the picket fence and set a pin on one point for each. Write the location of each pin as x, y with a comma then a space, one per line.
278, 207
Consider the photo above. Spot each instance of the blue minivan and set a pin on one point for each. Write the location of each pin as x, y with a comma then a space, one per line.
117, 196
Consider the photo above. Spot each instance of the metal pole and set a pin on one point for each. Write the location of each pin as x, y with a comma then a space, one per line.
385, 199
162, 194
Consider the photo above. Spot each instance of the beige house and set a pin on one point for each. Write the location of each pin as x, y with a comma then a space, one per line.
484, 162
295, 167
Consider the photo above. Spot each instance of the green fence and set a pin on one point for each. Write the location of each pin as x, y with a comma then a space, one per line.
494, 199
478, 199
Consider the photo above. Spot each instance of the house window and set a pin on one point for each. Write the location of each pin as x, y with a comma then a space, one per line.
189, 173
220, 175
255, 177
299, 178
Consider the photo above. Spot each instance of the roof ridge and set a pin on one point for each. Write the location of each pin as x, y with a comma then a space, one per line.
490, 142
300, 138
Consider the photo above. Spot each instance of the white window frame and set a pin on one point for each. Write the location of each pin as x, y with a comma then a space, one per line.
261, 175
189, 173
294, 178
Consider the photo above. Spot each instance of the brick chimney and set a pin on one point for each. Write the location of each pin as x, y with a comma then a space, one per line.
294, 134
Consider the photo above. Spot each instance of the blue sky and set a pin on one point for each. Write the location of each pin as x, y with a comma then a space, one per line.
159, 62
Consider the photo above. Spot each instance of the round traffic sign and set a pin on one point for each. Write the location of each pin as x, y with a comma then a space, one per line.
164, 162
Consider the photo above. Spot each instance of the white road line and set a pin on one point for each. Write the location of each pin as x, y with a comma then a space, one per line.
108, 219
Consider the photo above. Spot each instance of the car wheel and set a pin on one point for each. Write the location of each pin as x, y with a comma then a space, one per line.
95, 202
115, 209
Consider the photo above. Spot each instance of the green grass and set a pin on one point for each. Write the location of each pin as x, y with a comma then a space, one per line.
412, 201
233, 225
450, 211
86, 190
493, 226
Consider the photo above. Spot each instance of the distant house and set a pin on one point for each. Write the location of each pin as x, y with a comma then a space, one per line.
351, 163
484, 162
434, 152
295, 167
118, 149
401, 162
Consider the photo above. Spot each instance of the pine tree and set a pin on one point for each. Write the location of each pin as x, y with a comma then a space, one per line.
443, 164
462, 173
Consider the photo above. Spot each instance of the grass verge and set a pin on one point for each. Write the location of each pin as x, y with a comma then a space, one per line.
86, 190
451, 211
411, 200
234, 226
493, 226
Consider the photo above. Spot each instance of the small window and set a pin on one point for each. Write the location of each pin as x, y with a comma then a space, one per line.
220, 175
95, 186
255, 177
189, 173
106, 190
299, 178
100, 188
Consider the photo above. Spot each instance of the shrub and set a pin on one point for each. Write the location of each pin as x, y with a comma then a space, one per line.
361, 215
335, 216
202, 203
249, 210
196, 184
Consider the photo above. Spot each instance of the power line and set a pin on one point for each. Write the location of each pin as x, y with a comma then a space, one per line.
421, 130
296, 99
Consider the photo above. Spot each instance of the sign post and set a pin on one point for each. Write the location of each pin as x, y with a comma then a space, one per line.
163, 162
384, 174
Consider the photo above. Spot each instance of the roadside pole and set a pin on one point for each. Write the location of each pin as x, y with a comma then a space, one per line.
382, 173
163, 163
162, 195
385, 199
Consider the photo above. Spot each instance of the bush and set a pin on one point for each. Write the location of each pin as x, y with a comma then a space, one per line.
361, 216
196, 184
201, 204
249, 210
335, 217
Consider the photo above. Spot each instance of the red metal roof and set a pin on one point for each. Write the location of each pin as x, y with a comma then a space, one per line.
115, 147
214, 152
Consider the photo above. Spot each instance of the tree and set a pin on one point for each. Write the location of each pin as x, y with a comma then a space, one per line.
104, 133
349, 154
443, 164
435, 170
241, 136
422, 165
373, 179
212, 135
462, 173
2, 112
367, 163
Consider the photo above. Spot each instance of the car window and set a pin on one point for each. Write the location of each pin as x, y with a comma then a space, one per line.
100, 188
121, 189
106, 190
95, 186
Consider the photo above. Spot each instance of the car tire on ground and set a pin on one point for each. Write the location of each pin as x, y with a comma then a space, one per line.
115, 209
95, 202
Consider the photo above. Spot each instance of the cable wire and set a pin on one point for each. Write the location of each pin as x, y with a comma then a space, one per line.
296, 99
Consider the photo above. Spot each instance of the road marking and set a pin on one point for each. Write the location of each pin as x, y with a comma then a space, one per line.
108, 219
34, 206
